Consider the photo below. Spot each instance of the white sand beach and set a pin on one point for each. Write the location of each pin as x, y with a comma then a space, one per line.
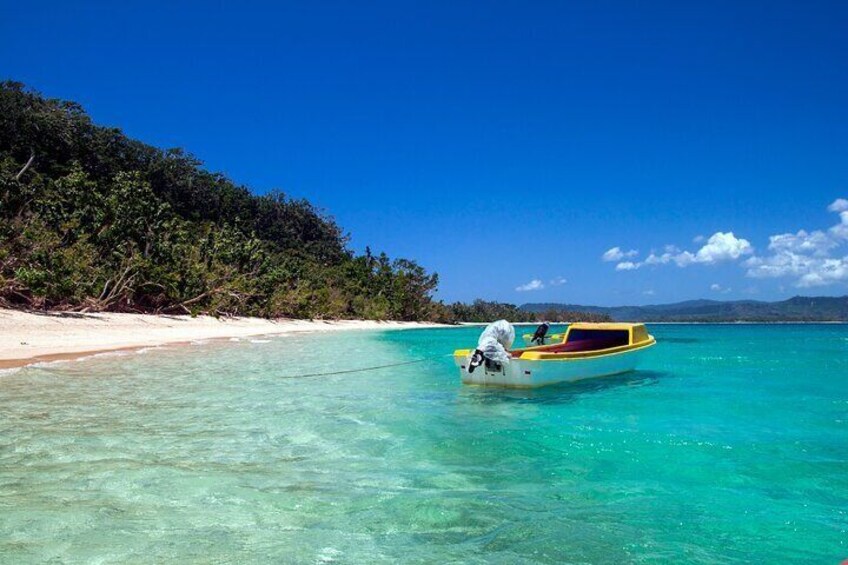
30, 337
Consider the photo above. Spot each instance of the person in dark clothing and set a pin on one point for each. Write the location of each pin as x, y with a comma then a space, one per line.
541, 332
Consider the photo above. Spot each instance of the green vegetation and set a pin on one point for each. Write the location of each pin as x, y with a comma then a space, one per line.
93, 220
482, 311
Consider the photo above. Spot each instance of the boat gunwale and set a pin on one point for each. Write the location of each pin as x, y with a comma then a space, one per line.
573, 355
534, 353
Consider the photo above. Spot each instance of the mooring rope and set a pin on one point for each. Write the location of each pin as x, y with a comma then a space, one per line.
360, 370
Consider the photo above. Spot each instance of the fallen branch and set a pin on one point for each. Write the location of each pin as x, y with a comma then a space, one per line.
28, 163
184, 304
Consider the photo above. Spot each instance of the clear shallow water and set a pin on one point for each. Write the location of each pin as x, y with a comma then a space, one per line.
730, 445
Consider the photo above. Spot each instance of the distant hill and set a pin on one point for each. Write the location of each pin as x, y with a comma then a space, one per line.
795, 309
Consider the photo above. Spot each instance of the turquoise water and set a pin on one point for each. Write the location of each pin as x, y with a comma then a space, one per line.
730, 445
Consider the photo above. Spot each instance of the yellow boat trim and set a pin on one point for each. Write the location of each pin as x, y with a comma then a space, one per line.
529, 354
573, 355
638, 337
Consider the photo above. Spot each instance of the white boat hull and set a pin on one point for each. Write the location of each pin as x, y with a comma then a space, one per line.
534, 373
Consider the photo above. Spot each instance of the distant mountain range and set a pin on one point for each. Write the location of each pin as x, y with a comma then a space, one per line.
795, 309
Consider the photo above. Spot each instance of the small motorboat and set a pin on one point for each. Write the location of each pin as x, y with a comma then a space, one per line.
586, 351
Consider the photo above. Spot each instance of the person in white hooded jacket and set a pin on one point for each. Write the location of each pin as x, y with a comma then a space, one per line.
494, 344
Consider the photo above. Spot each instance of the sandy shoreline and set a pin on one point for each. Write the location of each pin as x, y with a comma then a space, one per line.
31, 337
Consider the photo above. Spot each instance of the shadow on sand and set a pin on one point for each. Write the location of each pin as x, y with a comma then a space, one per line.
53, 314
94, 315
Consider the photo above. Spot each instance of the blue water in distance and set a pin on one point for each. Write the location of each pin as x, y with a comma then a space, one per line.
729, 445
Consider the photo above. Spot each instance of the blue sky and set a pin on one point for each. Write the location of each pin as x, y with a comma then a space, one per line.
504, 145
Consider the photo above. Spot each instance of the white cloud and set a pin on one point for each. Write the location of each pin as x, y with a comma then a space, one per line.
840, 230
806, 256
654, 259
720, 246
816, 243
781, 264
685, 258
826, 272
715, 287
723, 246
838, 205
616, 254
649, 292
808, 271
535, 284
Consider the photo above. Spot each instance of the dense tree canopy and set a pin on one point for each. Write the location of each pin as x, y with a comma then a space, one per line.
483, 311
93, 220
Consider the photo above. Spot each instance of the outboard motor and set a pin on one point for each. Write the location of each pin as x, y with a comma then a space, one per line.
477, 359
493, 346
541, 332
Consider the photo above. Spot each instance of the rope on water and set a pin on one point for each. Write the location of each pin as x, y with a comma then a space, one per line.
360, 370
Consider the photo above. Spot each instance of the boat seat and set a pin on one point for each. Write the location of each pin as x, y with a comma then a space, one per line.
582, 345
